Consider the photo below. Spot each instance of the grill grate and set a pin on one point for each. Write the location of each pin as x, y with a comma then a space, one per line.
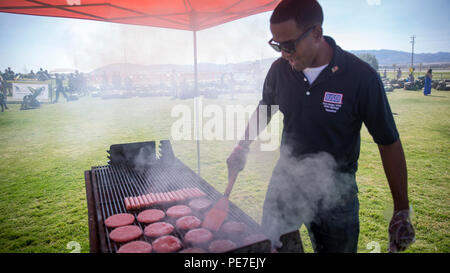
112, 183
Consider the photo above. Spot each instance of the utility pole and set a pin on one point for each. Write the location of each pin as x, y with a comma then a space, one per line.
412, 50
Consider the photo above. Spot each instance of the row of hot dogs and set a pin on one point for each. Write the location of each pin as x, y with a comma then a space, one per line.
146, 200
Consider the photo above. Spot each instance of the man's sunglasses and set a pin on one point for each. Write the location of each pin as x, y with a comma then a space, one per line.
289, 46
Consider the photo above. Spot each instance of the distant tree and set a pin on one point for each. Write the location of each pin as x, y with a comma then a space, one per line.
370, 59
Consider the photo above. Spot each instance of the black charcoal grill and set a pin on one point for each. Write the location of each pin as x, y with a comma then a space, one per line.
134, 169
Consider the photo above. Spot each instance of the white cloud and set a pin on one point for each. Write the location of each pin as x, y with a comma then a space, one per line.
373, 2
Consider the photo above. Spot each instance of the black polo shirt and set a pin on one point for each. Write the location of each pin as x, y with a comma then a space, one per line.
328, 114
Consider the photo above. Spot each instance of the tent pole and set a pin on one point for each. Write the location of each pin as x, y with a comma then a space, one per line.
196, 98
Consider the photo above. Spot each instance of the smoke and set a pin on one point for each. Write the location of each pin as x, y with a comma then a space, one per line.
89, 45
301, 189
237, 41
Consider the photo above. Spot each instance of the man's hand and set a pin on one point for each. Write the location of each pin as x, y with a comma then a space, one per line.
237, 159
401, 231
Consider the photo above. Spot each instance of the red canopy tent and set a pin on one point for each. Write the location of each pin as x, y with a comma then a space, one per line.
191, 15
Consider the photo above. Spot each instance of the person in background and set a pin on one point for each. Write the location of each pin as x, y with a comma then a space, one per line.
3, 102
2, 84
9, 76
399, 73
3, 94
411, 75
41, 75
59, 87
427, 86
47, 75
32, 75
71, 83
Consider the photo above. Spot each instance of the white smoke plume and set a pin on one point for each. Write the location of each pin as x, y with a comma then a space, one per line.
302, 188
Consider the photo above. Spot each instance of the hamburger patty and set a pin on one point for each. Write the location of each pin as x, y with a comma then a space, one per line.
178, 211
198, 236
188, 222
158, 229
125, 234
150, 216
166, 244
135, 247
118, 220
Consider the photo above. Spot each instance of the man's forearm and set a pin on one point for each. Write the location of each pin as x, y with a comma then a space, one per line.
394, 165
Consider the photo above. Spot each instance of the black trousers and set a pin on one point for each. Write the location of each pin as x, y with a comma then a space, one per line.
311, 193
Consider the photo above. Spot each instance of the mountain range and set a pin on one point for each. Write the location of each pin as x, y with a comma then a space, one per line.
385, 58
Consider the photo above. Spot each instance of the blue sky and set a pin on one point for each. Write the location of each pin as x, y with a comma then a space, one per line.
30, 42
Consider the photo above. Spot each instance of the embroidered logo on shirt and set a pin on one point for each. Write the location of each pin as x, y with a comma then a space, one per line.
332, 102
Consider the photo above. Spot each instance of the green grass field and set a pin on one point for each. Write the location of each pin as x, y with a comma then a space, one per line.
45, 152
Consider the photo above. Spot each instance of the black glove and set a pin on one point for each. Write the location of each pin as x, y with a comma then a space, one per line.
401, 231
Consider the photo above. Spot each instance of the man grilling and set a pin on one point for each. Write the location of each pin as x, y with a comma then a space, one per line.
325, 95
